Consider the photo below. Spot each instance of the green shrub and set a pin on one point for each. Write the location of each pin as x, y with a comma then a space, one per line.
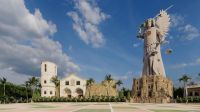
189, 99
82, 99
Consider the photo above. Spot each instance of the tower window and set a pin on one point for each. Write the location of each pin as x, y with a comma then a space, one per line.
45, 92
45, 67
78, 82
67, 83
50, 92
45, 81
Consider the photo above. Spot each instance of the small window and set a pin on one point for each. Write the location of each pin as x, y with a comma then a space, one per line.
78, 82
45, 92
50, 92
45, 81
67, 83
45, 67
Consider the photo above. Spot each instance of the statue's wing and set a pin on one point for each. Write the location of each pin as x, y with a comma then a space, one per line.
163, 22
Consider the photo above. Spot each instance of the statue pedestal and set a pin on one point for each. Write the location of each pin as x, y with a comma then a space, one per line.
152, 89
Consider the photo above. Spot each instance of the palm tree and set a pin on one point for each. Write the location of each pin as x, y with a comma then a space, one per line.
119, 83
90, 82
27, 85
185, 78
56, 82
33, 82
4, 81
108, 79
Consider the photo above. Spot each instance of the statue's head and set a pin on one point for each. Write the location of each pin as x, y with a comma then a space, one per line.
146, 25
149, 23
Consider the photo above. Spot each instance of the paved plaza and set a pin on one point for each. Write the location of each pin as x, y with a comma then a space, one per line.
98, 107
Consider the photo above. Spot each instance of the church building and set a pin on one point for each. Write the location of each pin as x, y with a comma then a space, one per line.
70, 86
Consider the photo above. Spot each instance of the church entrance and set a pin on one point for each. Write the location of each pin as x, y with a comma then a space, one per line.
68, 92
79, 92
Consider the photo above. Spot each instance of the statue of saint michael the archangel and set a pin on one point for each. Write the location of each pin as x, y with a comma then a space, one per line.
154, 31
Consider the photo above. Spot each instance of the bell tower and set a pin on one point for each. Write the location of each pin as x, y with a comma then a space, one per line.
48, 70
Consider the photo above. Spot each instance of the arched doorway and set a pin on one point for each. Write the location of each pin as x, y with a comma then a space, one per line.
79, 92
68, 92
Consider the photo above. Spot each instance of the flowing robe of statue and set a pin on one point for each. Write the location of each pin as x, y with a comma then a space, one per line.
152, 60
153, 32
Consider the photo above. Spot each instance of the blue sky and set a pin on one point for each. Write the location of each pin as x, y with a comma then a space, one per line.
112, 47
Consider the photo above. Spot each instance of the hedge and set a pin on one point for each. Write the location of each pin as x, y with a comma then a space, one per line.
82, 99
188, 100
6, 99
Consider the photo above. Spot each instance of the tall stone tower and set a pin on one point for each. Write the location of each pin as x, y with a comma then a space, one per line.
48, 70
153, 86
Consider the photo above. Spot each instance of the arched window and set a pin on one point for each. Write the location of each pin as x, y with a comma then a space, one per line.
79, 92
50, 92
68, 92
45, 81
45, 92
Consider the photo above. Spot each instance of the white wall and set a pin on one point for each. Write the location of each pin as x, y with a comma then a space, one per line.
72, 87
51, 71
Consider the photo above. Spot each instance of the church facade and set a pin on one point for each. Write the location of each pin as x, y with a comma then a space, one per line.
70, 86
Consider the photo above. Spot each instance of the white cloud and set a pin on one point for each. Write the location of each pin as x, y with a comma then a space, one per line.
136, 45
122, 77
183, 30
87, 17
127, 75
177, 66
189, 32
70, 47
176, 20
183, 65
25, 42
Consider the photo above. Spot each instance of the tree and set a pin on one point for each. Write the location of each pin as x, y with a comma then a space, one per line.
119, 83
128, 96
27, 85
56, 82
34, 83
191, 83
4, 81
90, 82
125, 91
108, 79
185, 78
178, 92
